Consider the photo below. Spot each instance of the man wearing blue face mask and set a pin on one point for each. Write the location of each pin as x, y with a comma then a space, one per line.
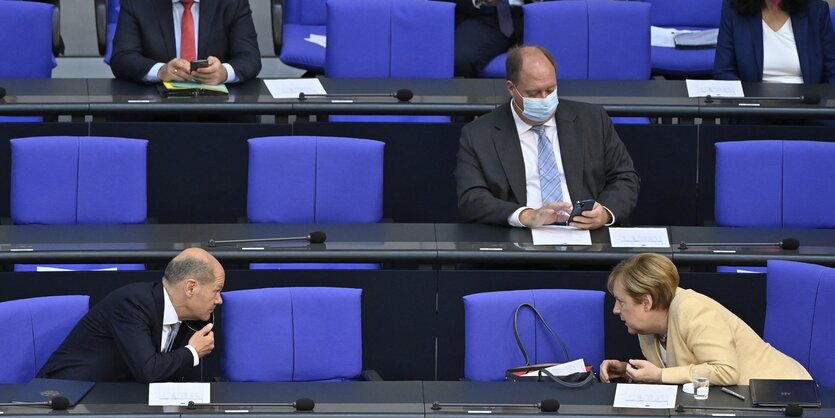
523, 163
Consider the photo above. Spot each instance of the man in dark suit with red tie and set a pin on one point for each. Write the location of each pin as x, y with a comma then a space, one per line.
139, 332
156, 40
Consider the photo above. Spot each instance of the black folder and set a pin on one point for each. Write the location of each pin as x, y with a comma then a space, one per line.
775, 392
42, 390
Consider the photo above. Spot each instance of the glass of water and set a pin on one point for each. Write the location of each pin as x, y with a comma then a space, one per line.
700, 375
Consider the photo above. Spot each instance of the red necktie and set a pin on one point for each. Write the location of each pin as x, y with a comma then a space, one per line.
187, 47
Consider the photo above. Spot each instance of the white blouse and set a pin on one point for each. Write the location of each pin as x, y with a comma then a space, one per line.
780, 61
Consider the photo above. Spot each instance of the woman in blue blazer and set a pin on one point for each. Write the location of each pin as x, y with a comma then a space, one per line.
739, 51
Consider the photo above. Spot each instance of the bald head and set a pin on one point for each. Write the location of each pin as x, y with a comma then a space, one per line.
527, 58
193, 263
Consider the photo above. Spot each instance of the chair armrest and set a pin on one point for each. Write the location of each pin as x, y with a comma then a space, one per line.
100, 9
56, 28
277, 13
371, 376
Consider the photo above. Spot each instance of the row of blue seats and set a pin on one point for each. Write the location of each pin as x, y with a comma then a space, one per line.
315, 333
413, 38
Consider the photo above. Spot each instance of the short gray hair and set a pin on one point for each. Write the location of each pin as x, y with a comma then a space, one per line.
182, 267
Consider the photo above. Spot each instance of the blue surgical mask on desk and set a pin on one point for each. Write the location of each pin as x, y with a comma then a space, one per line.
539, 109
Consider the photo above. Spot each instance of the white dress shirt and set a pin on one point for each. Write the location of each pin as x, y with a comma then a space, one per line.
781, 63
169, 318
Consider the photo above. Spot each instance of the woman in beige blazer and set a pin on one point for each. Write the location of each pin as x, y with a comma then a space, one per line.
679, 329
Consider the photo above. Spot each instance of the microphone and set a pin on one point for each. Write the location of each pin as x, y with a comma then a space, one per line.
301, 404
786, 244
811, 98
547, 405
402, 95
2, 92
789, 411
57, 403
315, 237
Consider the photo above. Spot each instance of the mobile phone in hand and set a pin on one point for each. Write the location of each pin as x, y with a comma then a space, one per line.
199, 64
580, 206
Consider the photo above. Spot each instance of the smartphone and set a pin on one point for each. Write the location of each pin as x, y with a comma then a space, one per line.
580, 206
199, 64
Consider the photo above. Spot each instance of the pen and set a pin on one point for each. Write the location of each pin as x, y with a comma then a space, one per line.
732, 393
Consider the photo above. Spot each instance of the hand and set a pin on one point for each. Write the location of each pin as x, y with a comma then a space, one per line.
212, 75
592, 219
612, 370
175, 70
203, 341
642, 371
546, 215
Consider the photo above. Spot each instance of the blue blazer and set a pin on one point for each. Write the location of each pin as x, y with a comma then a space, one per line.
145, 36
739, 49
119, 341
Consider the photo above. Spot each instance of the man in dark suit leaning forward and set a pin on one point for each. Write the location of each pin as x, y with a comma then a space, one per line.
156, 40
523, 163
136, 333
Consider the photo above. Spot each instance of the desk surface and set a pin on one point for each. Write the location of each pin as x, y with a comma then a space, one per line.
413, 399
422, 243
103, 97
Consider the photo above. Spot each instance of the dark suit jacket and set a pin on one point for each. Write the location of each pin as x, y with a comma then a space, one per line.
145, 36
490, 174
739, 49
119, 340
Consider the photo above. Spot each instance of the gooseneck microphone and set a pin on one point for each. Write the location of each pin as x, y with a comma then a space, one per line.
402, 95
785, 243
301, 404
547, 405
811, 98
789, 411
58, 403
315, 237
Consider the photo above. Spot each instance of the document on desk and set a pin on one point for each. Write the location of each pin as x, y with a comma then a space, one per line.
714, 88
560, 235
639, 237
564, 369
291, 87
632, 395
177, 394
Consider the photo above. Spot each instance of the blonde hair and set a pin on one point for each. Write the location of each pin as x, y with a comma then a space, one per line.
647, 274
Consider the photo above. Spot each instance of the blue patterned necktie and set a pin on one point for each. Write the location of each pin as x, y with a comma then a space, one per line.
171, 336
505, 17
549, 175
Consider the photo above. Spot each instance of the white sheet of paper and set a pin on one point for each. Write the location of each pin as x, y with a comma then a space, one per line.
48, 268
659, 36
560, 235
177, 394
320, 40
639, 237
631, 395
291, 87
714, 88
564, 369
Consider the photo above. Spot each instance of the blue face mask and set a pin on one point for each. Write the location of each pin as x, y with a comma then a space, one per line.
539, 110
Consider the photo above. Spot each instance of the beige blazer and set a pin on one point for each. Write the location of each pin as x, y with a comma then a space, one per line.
702, 331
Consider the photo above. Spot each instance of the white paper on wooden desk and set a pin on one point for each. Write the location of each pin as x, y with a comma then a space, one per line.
177, 394
632, 395
639, 237
560, 235
659, 36
714, 88
320, 40
291, 87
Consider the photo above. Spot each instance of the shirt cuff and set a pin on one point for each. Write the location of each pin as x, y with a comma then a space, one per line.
153, 74
231, 77
194, 353
513, 219
610, 213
